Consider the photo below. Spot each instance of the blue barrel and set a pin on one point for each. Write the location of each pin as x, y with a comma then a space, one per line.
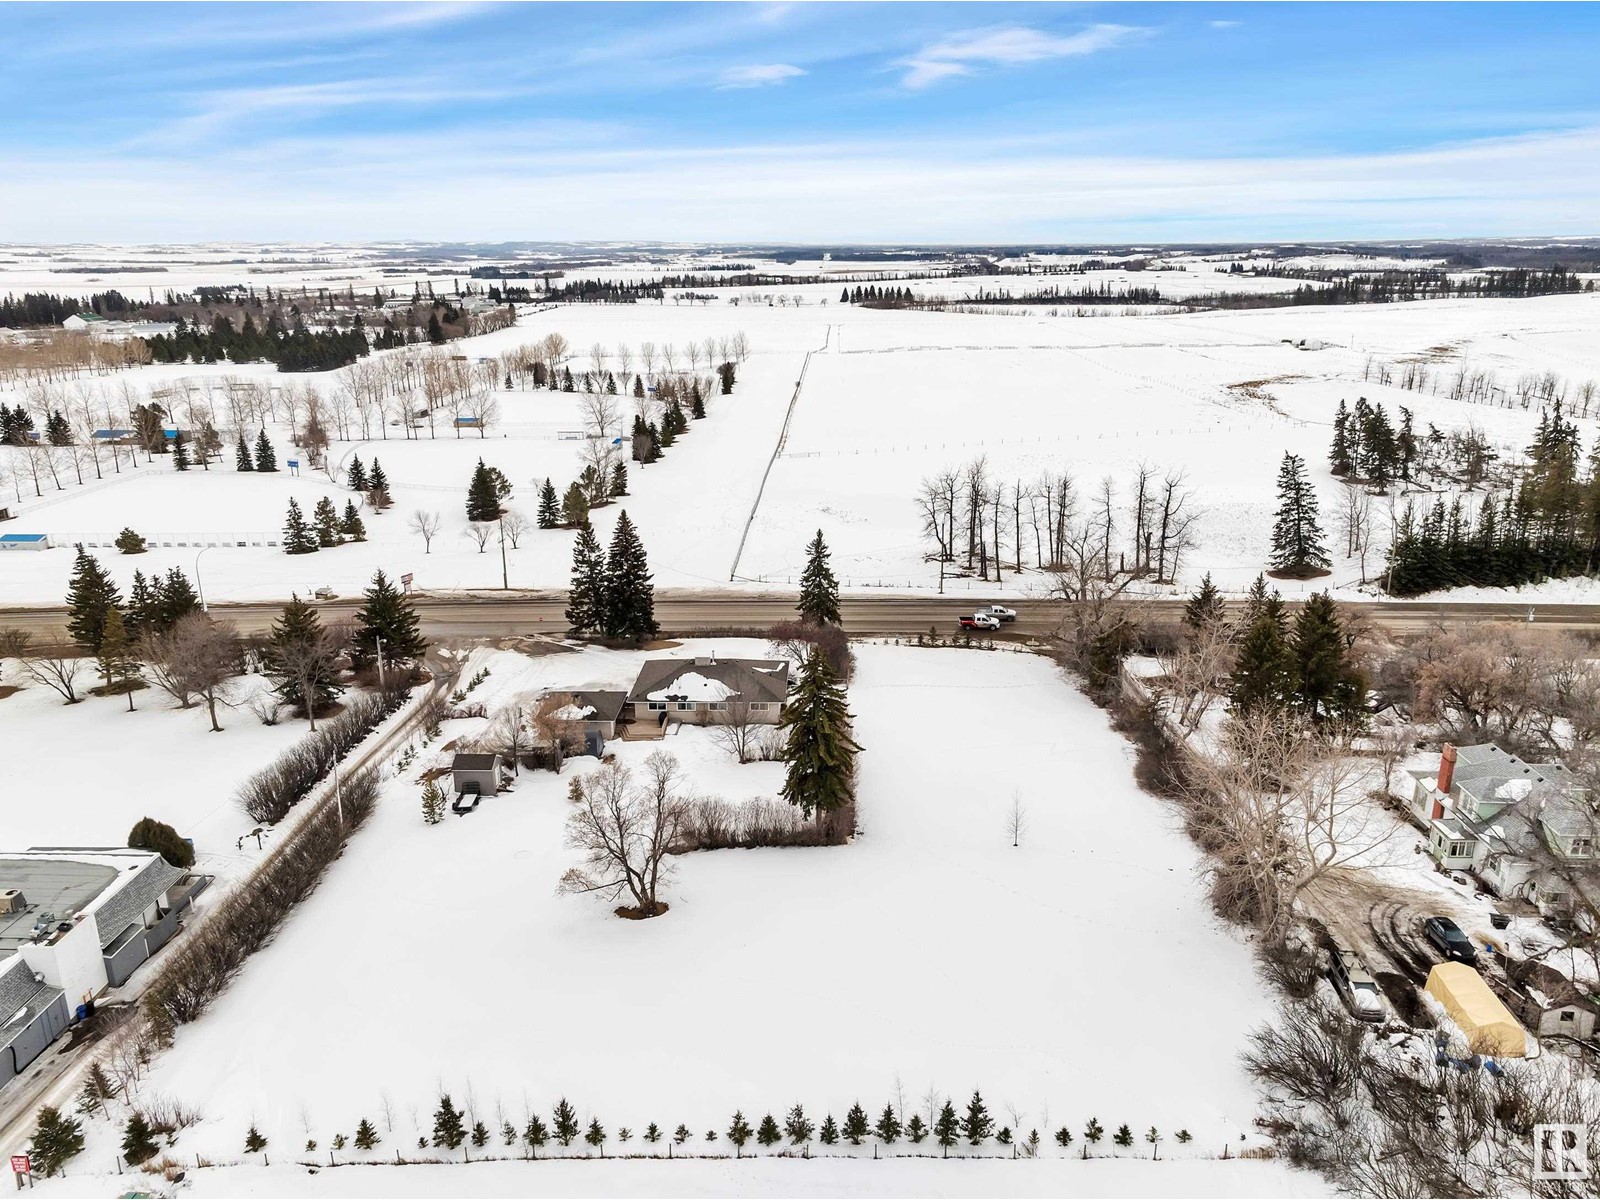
83, 1012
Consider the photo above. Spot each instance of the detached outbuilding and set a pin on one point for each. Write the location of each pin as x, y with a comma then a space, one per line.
1488, 1025
475, 773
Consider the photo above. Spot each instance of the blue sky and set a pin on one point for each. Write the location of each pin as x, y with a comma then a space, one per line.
797, 122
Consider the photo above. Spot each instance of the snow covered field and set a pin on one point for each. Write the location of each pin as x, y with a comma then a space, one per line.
1079, 975
890, 397
752, 1176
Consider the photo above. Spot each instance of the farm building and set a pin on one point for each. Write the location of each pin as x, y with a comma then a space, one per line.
24, 541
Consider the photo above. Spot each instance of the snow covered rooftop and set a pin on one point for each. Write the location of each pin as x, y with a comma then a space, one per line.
708, 680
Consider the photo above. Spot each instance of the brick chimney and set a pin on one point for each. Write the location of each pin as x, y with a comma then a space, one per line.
1447, 768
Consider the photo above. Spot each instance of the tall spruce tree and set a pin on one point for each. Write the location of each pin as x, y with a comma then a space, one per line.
356, 477
819, 590
1327, 686
619, 480
586, 601
819, 751
173, 599
266, 457
297, 653
378, 486
449, 1128
483, 498
91, 596
298, 536
1264, 676
1297, 542
549, 511
351, 524
387, 615
241, 456
977, 1125
630, 596
575, 507
326, 519
180, 452
1205, 609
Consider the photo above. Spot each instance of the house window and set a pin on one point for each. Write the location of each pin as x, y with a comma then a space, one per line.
1460, 850
1582, 847
719, 706
1568, 1015
658, 706
685, 705
759, 706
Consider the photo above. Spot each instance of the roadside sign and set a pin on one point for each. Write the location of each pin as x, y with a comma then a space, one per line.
20, 1164
294, 462
405, 581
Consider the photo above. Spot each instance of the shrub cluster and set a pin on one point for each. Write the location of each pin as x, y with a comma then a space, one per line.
270, 793
717, 824
197, 970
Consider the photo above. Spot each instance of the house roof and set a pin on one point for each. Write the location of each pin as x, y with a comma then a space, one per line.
474, 762
605, 705
114, 885
22, 998
758, 681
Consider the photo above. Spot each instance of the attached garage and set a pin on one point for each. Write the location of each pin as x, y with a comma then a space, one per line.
1488, 1025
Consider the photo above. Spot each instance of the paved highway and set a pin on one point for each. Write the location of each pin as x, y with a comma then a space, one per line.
511, 613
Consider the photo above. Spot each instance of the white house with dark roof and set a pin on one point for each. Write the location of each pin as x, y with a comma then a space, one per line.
706, 690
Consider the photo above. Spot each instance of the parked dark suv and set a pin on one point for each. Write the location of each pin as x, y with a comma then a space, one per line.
1449, 941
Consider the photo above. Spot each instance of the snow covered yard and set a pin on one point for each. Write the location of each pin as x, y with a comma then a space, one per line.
1078, 975
83, 774
752, 1176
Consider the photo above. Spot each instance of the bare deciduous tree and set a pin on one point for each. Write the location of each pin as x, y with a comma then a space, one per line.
626, 831
425, 524
1016, 819
737, 732
56, 665
479, 533
197, 658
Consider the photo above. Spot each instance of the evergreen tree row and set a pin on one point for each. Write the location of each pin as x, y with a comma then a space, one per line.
327, 527
293, 348
1545, 526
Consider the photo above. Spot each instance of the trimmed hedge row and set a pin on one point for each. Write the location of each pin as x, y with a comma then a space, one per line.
270, 793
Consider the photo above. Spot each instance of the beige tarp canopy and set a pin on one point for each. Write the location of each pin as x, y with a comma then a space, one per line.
1489, 1026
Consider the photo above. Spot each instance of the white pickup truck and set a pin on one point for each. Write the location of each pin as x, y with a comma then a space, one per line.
999, 612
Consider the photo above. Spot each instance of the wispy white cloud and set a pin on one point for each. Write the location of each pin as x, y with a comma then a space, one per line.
1224, 24
961, 53
760, 75
580, 183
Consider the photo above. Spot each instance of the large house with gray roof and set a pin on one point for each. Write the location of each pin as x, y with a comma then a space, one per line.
706, 690
1491, 813
73, 922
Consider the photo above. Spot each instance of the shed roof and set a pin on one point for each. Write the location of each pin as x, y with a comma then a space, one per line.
474, 762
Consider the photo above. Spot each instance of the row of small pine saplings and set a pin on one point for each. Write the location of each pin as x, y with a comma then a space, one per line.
59, 1138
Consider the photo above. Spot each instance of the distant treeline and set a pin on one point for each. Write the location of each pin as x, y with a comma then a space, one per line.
293, 348
874, 297
1391, 287
35, 309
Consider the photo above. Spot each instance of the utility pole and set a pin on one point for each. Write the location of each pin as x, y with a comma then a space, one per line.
505, 580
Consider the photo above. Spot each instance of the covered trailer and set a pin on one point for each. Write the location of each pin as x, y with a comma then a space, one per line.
1488, 1025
